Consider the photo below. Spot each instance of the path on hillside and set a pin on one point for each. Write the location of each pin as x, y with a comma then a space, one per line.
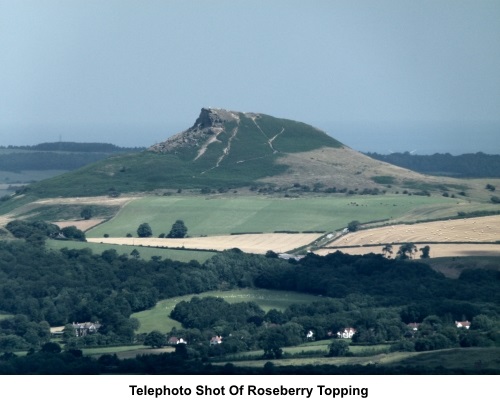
210, 140
269, 140
227, 149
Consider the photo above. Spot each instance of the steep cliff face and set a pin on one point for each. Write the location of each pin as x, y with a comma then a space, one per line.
210, 123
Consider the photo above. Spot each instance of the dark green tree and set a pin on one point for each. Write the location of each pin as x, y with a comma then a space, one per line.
144, 230
387, 250
406, 251
353, 226
425, 252
51, 347
179, 230
155, 339
72, 232
135, 254
338, 348
86, 213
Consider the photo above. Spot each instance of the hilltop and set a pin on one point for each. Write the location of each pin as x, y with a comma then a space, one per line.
229, 150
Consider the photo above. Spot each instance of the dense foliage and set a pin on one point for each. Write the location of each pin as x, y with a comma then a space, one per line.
375, 295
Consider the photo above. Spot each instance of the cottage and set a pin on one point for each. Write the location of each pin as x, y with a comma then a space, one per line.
176, 341
216, 340
462, 324
347, 333
413, 326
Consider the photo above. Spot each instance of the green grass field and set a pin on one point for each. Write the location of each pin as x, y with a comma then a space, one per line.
225, 215
471, 359
158, 318
146, 252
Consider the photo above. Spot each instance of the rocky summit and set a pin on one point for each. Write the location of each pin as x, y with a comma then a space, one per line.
210, 123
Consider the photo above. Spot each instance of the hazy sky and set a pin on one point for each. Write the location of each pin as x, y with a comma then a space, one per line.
133, 72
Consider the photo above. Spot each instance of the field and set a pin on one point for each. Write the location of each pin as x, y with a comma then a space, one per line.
436, 249
451, 238
464, 359
145, 252
225, 215
157, 318
20, 178
249, 243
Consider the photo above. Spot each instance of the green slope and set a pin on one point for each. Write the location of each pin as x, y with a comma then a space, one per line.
245, 150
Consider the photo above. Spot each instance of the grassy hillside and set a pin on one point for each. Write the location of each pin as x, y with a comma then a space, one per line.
235, 154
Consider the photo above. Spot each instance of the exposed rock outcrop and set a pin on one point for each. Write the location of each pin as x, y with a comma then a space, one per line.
208, 125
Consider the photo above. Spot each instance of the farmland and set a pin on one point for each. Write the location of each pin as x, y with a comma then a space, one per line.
145, 253
157, 318
249, 243
452, 238
225, 215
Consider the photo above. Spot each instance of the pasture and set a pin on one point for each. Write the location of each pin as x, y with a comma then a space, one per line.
474, 358
158, 318
223, 215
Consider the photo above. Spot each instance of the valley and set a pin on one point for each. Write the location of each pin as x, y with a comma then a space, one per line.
290, 238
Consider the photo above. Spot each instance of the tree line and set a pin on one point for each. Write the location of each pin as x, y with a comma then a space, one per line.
466, 165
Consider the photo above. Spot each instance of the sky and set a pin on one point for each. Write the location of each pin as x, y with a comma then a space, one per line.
390, 75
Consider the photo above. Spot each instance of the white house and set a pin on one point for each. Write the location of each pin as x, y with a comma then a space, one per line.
347, 333
216, 340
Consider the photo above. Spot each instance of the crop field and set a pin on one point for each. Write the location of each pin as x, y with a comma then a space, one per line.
452, 238
249, 243
226, 215
146, 253
479, 229
158, 318
436, 250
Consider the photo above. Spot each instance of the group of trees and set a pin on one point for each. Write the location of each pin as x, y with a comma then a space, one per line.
37, 231
370, 293
178, 230
406, 251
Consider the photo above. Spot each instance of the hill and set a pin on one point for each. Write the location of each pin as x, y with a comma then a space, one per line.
229, 150
56, 155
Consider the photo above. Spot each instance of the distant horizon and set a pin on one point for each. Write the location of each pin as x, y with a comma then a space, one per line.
395, 75
368, 137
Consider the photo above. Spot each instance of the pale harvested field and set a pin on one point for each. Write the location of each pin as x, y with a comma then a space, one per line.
250, 243
436, 234
82, 225
479, 229
102, 200
25, 209
437, 250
